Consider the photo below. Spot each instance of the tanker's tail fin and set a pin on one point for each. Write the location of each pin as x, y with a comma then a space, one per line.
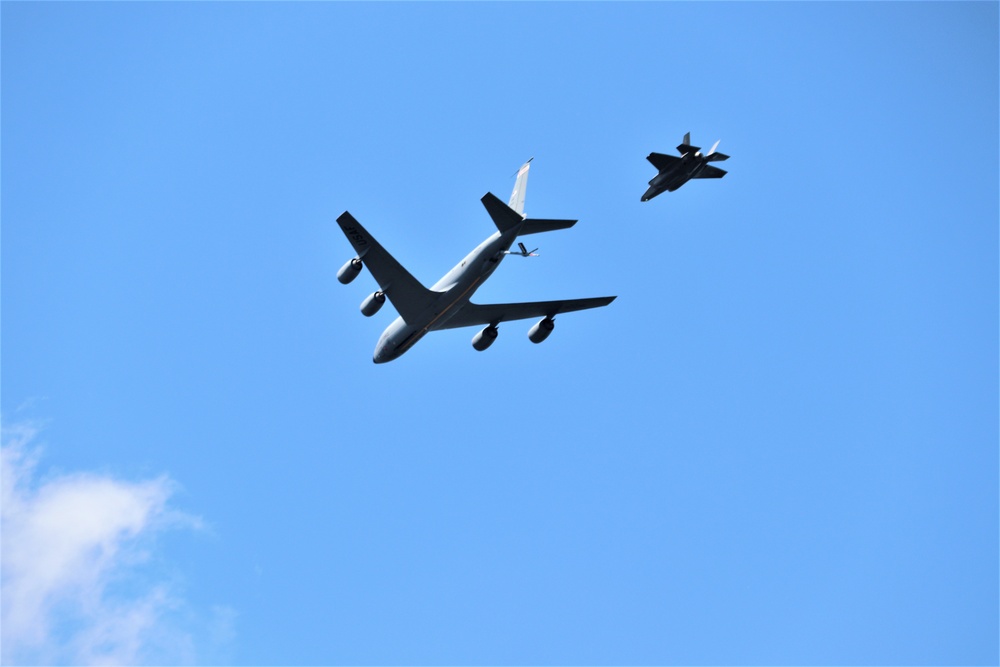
520, 185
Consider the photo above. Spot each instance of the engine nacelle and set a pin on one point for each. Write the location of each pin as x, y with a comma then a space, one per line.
541, 330
372, 303
485, 338
349, 271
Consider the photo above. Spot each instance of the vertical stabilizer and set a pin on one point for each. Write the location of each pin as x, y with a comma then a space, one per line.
686, 147
517, 196
714, 155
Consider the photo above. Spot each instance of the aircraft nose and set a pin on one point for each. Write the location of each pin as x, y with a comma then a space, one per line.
382, 355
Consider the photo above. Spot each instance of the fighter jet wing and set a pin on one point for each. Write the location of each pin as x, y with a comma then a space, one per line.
711, 172
405, 292
473, 314
661, 161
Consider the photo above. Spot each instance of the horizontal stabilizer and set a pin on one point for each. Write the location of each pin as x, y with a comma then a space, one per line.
504, 217
662, 162
711, 172
538, 225
716, 157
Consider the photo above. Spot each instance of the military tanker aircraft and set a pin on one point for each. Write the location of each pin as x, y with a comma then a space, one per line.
446, 304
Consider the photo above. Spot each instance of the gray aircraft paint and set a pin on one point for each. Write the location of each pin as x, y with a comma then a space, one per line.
447, 304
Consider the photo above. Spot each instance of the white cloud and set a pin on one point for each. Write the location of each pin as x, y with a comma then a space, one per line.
74, 586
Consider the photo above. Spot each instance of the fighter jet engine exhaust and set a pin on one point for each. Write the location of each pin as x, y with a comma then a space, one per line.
485, 338
349, 271
372, 303
541, 330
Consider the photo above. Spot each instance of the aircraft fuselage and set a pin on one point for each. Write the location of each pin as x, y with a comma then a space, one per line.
455, 288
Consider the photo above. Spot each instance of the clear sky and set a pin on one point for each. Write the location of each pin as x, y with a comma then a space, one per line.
779, 445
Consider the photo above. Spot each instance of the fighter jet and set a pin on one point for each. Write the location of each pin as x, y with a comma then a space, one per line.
446, 304
676, 171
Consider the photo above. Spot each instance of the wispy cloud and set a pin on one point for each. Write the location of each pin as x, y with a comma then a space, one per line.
74, 547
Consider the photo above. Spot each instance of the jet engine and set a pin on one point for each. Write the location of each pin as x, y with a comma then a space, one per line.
349, 271
485, 338
541, 330
372, 303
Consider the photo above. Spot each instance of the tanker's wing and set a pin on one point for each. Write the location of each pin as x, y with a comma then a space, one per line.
405, 292
473, 314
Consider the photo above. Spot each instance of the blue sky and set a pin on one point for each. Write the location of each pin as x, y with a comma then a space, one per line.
779, 445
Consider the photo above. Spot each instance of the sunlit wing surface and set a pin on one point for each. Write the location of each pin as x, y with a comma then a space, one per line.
473, 314
539, 225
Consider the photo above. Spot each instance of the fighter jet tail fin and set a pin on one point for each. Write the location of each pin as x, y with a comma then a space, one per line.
715, 157
686, 147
